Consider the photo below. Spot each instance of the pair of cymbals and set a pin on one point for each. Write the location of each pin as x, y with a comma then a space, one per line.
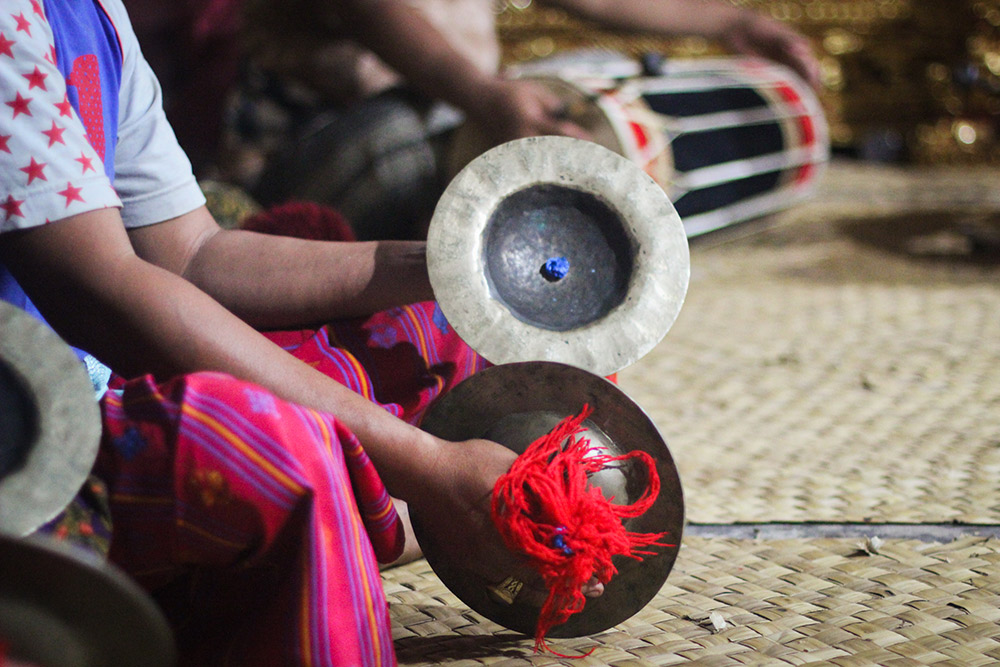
560, 262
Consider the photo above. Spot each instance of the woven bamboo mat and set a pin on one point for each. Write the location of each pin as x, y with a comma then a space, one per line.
747, 602
837, 363
842, 361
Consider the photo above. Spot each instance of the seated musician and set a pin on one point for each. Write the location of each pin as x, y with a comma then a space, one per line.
249, 486
352, 103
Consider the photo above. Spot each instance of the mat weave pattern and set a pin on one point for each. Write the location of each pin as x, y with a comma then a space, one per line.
839, 362
747, 602
842, 363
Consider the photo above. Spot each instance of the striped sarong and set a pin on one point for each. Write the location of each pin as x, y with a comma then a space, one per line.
256, 523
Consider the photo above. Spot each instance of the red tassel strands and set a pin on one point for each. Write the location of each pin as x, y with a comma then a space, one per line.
567, 530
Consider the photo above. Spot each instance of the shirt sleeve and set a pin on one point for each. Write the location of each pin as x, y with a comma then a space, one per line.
48, 169
153, 176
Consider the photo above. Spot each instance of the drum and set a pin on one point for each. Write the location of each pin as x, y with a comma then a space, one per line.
743, 137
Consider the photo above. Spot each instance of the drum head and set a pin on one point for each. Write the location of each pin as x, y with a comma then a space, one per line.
58, 610
557, 249
515, 404
50, 426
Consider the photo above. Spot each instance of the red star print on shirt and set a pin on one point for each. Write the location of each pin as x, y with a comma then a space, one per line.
5, 45
20, 105
35, 170
54, 134
36, 79
65, 108
71, 194
22, 24
12, 206
87, 162
49, 168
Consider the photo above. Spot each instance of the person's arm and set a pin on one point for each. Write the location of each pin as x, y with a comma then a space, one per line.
138, 317
509, 108
741, 30
282, 282
138, 312
409, 43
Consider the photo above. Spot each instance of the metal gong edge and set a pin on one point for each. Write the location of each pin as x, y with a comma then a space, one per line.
476, 405
457, 240
58, 607
67, 423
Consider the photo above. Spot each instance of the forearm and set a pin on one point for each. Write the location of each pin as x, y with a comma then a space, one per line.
140, 318
282, 282
409, 43
707, 18
274, 281
188, 331
741, 31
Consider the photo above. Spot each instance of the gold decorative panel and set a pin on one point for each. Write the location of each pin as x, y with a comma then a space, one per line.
902, 79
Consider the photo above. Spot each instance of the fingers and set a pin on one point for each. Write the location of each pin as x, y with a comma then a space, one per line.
795, 51
559, 118
536, 110
593, 588
755, 34
570, 129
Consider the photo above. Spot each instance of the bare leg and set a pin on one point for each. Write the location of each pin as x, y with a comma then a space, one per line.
411, 551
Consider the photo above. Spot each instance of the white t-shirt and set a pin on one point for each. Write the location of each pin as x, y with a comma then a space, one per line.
48, 168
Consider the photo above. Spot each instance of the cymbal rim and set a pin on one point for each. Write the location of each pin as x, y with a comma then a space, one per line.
455, 255
53, 592
67, 423
475, 405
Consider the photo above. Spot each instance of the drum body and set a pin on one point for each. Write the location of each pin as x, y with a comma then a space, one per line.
729, 139
747, 137
621, 124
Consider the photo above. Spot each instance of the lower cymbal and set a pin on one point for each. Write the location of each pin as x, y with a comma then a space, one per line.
514, 404
58, 609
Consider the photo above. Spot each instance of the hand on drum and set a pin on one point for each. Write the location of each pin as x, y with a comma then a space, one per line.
514, 109
755, 34
454, 514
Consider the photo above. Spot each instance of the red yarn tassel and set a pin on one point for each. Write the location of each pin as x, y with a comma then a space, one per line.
567, 530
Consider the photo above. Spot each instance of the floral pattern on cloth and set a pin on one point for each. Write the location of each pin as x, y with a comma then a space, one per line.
401, 359
86, 521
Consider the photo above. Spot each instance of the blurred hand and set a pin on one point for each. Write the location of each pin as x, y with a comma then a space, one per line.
755, 34
515, 108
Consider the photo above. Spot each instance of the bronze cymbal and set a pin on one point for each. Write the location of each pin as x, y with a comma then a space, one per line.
61, 608
514, 404
558, 249
50, 426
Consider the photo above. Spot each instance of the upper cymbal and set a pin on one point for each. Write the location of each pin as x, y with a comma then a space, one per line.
558, 249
